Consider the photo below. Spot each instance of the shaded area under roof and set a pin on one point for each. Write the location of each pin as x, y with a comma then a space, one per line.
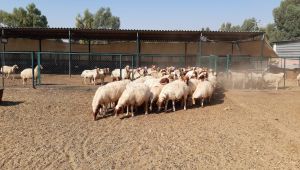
124, 35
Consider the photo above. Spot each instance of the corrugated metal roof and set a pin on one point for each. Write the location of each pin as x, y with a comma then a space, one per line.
291, 49
125, 34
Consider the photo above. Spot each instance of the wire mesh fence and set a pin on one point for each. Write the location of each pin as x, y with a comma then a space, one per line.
65, 68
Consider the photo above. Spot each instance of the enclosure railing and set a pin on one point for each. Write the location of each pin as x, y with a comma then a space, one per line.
74, 63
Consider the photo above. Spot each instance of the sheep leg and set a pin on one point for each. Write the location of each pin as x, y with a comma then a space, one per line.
146, 107
166, 105
202, 101
277, 84
173, 103
194, 102
127, 110
184, 107
132, 110
151, 102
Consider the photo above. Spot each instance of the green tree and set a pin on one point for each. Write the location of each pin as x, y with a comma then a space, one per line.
103, 18
287, 19
227, 26
85, 21
249, 25
20, 17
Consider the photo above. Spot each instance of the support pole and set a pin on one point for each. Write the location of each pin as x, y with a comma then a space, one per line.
70, 50
89, 52
262, 51
185, 54
32, 65
138, 50
284, 77
199, 55
120, 66
39, 62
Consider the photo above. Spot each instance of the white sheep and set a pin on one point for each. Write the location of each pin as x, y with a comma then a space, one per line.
115, 74
7, 70
108, 94
298, 79
88, 74
212, 77
270, 78
255, 79
203, 91
155, 90
27, 74
238, 78
134, 95
176, 90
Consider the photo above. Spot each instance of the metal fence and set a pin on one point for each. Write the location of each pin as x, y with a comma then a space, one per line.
72, 64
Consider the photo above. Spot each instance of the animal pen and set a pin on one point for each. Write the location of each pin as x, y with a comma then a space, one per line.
66, 52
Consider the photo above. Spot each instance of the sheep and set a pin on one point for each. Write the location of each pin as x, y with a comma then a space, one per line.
175, 90
143, 79
255, 79
203, 91
108, 94
115, 74
134, 95
272, 78
9, 70
212, 77
156, 89
87, 74
298, 79
238, 78
27, 74
99, 74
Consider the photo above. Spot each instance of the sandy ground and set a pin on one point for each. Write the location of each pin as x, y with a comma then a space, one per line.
51, 127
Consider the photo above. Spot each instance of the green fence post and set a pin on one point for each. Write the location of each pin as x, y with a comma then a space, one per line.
132, 66
39, 68
216, 61
120, 66
32, 65
284, 73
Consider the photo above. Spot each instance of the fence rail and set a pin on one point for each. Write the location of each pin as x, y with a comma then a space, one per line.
72, 64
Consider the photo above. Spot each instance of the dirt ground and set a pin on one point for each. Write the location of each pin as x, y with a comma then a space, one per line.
51, 127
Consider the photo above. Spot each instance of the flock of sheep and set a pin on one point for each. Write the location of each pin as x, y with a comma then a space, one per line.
154, 86
25, 74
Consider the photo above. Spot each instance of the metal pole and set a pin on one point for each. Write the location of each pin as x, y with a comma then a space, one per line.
39, 61
39, 68
120, 66
284, 74
138, 50
200, 51
132, 67
70, 50
216, 63
2, 64
32, 65
89, 52
262, 50
185, 54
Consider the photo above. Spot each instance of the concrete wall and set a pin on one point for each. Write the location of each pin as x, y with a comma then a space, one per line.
251, 48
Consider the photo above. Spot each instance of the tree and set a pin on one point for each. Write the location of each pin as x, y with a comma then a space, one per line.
287, 19
103, 18
227, 26
20, 17
250, 25
205, 29
86, 21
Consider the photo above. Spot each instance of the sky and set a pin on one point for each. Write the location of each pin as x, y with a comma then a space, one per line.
155, 14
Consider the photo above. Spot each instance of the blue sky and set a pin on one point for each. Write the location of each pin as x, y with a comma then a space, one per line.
156, 14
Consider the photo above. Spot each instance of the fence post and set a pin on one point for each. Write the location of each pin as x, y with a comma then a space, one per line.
284, 77
216, 63
70, 50
132, 67
120, 66
2, 64
227, 64
39, 68
32, 65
